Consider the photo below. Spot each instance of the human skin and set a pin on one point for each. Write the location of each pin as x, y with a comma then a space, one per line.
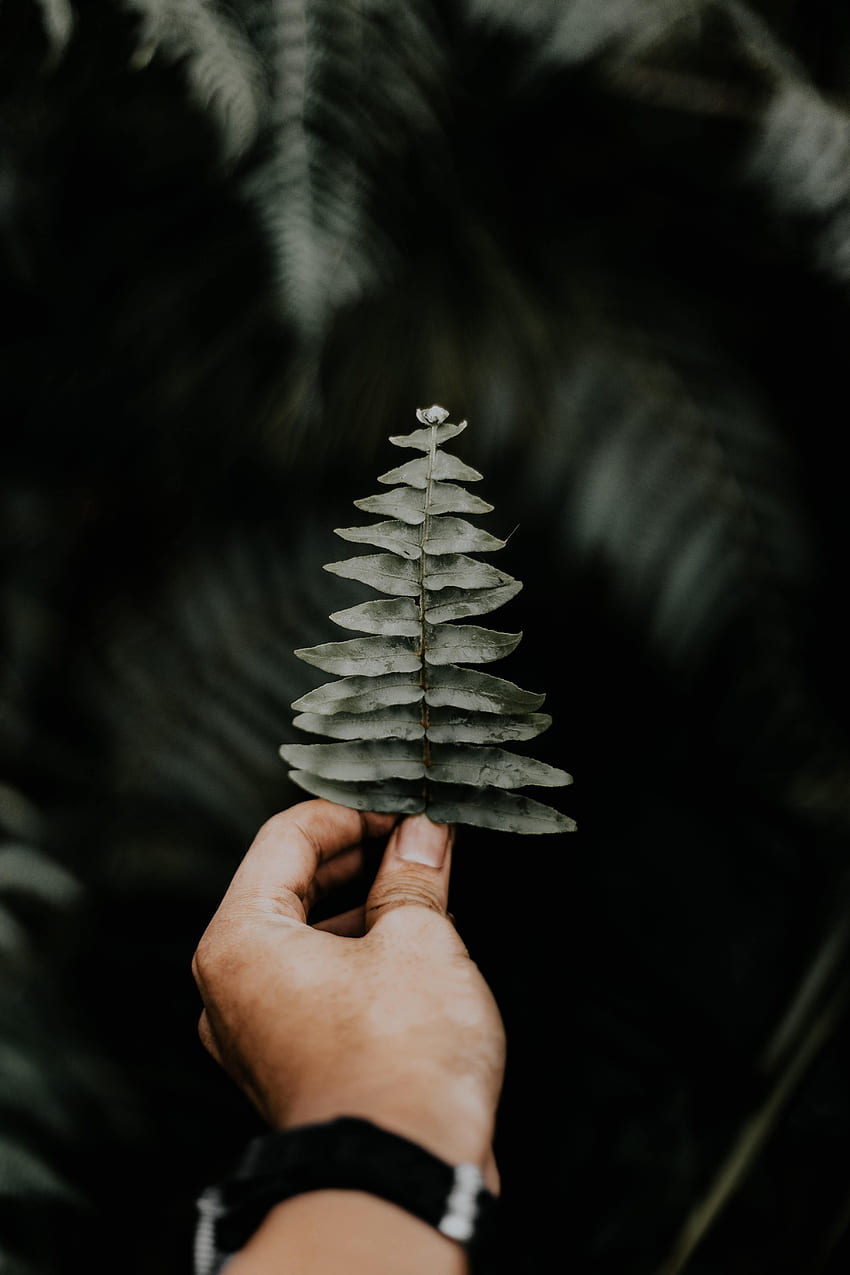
379, 1013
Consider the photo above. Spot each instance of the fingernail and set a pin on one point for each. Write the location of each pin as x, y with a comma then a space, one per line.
421, 841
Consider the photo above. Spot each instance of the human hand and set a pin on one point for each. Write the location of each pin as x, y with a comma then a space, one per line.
379, 1012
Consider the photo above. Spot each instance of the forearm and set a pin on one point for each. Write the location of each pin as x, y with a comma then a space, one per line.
328, 1232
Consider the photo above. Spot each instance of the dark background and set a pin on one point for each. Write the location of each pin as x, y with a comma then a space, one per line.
240, 244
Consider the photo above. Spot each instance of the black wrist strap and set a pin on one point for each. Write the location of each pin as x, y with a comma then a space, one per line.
347, 1154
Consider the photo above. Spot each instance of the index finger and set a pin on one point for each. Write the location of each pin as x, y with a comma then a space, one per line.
283, 867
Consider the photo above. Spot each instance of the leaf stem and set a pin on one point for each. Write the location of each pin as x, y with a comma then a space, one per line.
423, 537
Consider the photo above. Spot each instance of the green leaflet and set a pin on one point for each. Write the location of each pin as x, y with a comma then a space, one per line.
442, 467
467, 688
466, 644
390, 797
396, 575
408, 721
382, 571
408, 503
368, 657
463, 688
454, 604
486, 808
457, 571
400, 617
364, 759
447, 498
360, 694
455, 535
360, 760
403, 502
495, 808
446, 535
400, 537
455, 764
435, 432
412, 729
452, 725
399, 721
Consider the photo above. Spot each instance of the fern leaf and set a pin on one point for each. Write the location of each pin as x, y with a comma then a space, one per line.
397, 616
467, 688
399, 537
223, 72
404, 721
406, 503
383, 571
368, 657
394, 796
467, 644
495, 808
358, 693
413, 730
454, 604
57, 18
484, 728
337, 73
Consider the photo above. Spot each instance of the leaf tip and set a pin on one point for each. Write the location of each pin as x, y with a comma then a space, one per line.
434, 415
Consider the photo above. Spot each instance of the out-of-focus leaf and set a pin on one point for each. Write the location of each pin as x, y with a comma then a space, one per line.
24, 868
222, 70
24, 1174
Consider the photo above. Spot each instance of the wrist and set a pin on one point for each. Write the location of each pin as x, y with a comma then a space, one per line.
451, 1121
346, 1154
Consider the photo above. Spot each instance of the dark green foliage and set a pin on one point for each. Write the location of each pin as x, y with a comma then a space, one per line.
414, 741
239, 239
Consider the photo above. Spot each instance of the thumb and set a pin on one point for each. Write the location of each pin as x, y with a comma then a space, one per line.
414, 870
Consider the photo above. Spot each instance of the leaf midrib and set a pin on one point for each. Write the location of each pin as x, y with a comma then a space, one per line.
423, 537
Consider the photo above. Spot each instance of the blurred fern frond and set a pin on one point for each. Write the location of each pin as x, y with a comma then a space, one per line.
58, 21
346, 81
223, 71
54, 1089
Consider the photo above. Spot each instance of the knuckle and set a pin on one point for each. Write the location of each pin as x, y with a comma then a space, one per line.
201, 962
404, 891
207, 960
